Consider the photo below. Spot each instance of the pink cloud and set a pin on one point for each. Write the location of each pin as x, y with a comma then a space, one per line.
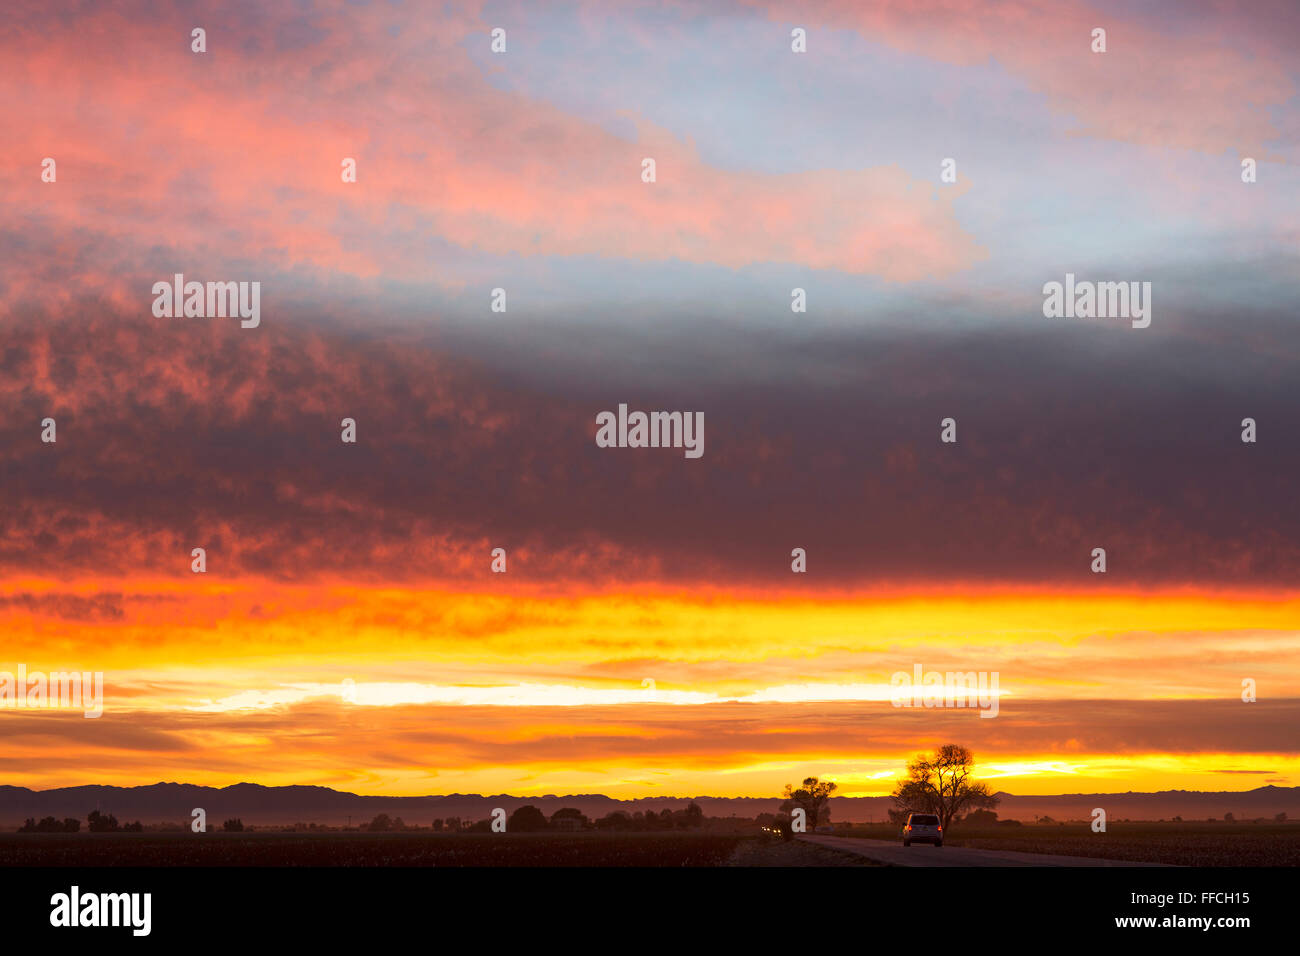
200, 154
1183, 87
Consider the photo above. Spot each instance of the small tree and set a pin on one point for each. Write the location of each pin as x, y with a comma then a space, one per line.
813, 798
527, 819
569, 813
694, 816
380, 824
96, 822
233, 825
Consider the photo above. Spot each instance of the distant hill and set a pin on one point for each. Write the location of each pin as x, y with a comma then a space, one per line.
259, 805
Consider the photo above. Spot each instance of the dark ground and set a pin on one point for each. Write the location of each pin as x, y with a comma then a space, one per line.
1180, 844
406, 849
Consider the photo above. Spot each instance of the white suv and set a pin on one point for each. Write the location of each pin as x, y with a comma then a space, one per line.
922, 828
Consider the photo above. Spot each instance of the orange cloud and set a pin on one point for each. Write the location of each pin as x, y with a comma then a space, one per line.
721, 750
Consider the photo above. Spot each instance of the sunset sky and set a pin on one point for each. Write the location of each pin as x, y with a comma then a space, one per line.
649, 636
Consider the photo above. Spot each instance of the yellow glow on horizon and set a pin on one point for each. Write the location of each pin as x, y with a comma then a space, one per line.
706, 692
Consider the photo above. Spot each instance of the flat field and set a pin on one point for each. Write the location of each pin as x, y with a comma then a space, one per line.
370, 849
1179, 844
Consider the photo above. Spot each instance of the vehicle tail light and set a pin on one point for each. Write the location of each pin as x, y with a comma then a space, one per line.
907, 827
940, 829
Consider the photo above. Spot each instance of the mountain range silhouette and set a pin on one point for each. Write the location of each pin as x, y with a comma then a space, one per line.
260, 805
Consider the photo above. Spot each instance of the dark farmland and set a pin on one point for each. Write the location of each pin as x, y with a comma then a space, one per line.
1179, 844
368, 849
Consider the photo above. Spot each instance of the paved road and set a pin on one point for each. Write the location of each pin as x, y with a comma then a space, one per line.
895, 854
